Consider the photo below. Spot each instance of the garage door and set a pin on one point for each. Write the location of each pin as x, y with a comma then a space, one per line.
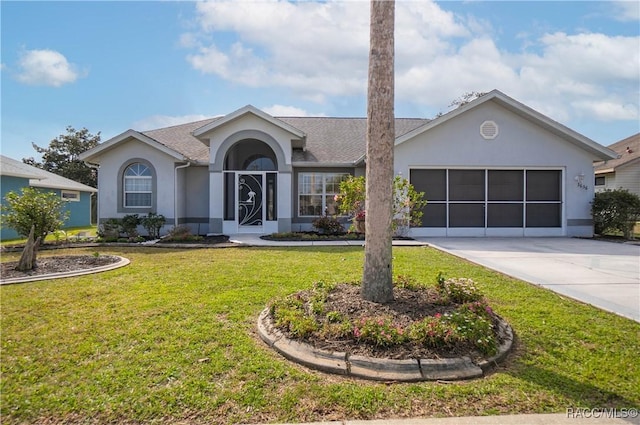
497, 202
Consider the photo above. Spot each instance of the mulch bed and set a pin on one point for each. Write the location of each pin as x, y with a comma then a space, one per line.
58, 264
408, 306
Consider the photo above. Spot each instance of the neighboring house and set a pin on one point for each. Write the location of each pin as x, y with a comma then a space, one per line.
622, 172
16, 175
491, 167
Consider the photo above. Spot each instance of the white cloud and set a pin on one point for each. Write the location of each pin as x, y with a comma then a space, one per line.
627, 10
45, 68
160, 121
288, 111
318, 50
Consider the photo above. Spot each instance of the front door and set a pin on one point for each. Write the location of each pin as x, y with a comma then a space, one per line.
250, 201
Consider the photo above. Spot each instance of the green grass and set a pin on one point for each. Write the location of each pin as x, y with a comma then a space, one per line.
69, 233
172, 338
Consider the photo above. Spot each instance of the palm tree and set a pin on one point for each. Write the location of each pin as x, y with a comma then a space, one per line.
377, 281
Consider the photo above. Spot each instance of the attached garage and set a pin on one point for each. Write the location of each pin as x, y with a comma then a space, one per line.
490, 202
495, 167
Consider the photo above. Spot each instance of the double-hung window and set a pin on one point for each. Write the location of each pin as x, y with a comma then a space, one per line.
317, 191
138, 183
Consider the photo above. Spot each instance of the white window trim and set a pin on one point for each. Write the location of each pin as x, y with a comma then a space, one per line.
125, 192
323, 195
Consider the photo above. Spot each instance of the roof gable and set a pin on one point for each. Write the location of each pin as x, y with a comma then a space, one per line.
93, 153
249, 109
523, 111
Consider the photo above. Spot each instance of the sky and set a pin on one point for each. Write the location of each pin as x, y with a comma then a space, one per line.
110, 66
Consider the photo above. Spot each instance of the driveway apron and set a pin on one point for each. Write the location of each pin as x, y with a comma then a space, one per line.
603, 274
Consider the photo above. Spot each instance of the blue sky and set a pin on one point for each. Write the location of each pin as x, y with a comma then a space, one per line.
111, 66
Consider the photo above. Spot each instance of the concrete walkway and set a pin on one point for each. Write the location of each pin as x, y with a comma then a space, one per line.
603, 274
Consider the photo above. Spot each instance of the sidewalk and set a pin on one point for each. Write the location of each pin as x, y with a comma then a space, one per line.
579, 417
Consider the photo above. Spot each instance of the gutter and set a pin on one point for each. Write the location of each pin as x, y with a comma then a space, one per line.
175, 192
97, 168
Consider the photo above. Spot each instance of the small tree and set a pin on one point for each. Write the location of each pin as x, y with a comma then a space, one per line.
34, 212
42, 210
407, 203
615, 210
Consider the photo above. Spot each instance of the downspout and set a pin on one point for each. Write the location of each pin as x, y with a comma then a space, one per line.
95, 167
175, 192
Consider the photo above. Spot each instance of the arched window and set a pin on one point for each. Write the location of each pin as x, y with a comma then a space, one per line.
138, 185
259, 162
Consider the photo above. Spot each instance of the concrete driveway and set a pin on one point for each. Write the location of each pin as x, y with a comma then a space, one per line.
603, 274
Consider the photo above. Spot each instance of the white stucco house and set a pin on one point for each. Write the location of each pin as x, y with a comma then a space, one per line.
622, 172
491, 167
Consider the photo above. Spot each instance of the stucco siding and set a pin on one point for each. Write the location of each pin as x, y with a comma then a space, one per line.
252, 123
195, 213
110, 177
519, 144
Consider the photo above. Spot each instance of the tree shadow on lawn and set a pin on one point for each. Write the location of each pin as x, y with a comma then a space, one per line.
582, 394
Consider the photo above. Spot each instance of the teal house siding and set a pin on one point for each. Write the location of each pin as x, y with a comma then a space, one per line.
16, 175
80, 211
10, 184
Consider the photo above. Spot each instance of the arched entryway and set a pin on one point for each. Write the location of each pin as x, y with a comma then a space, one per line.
250, 182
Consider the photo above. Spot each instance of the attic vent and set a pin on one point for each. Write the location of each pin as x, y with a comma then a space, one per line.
489, 130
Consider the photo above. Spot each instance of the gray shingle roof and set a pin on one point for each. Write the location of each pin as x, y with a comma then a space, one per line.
38, 177
329, 140
180, 139
625, 156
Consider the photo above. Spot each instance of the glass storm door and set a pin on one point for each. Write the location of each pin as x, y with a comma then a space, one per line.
250, 199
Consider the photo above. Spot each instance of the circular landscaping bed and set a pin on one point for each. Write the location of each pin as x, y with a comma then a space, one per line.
429, 324
61, 266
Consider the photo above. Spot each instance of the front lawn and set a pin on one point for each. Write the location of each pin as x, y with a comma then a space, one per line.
171, 338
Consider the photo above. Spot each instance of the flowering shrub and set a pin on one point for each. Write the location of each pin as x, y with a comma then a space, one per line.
407, 282
328, 225
407, 203
433, 332
458, 290
470, 324
380, 331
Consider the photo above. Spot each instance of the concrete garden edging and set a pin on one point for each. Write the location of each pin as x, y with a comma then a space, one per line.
120, 263
378, 369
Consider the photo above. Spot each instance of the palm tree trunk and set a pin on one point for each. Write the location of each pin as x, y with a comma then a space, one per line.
377, 281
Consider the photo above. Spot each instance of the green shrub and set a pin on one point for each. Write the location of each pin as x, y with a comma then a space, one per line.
458, 290
379, 331
129, 225
328, 225
109, 230
153, 223
181, 233
615, 210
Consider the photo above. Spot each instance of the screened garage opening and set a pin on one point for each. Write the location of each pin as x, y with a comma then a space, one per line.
477, 202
